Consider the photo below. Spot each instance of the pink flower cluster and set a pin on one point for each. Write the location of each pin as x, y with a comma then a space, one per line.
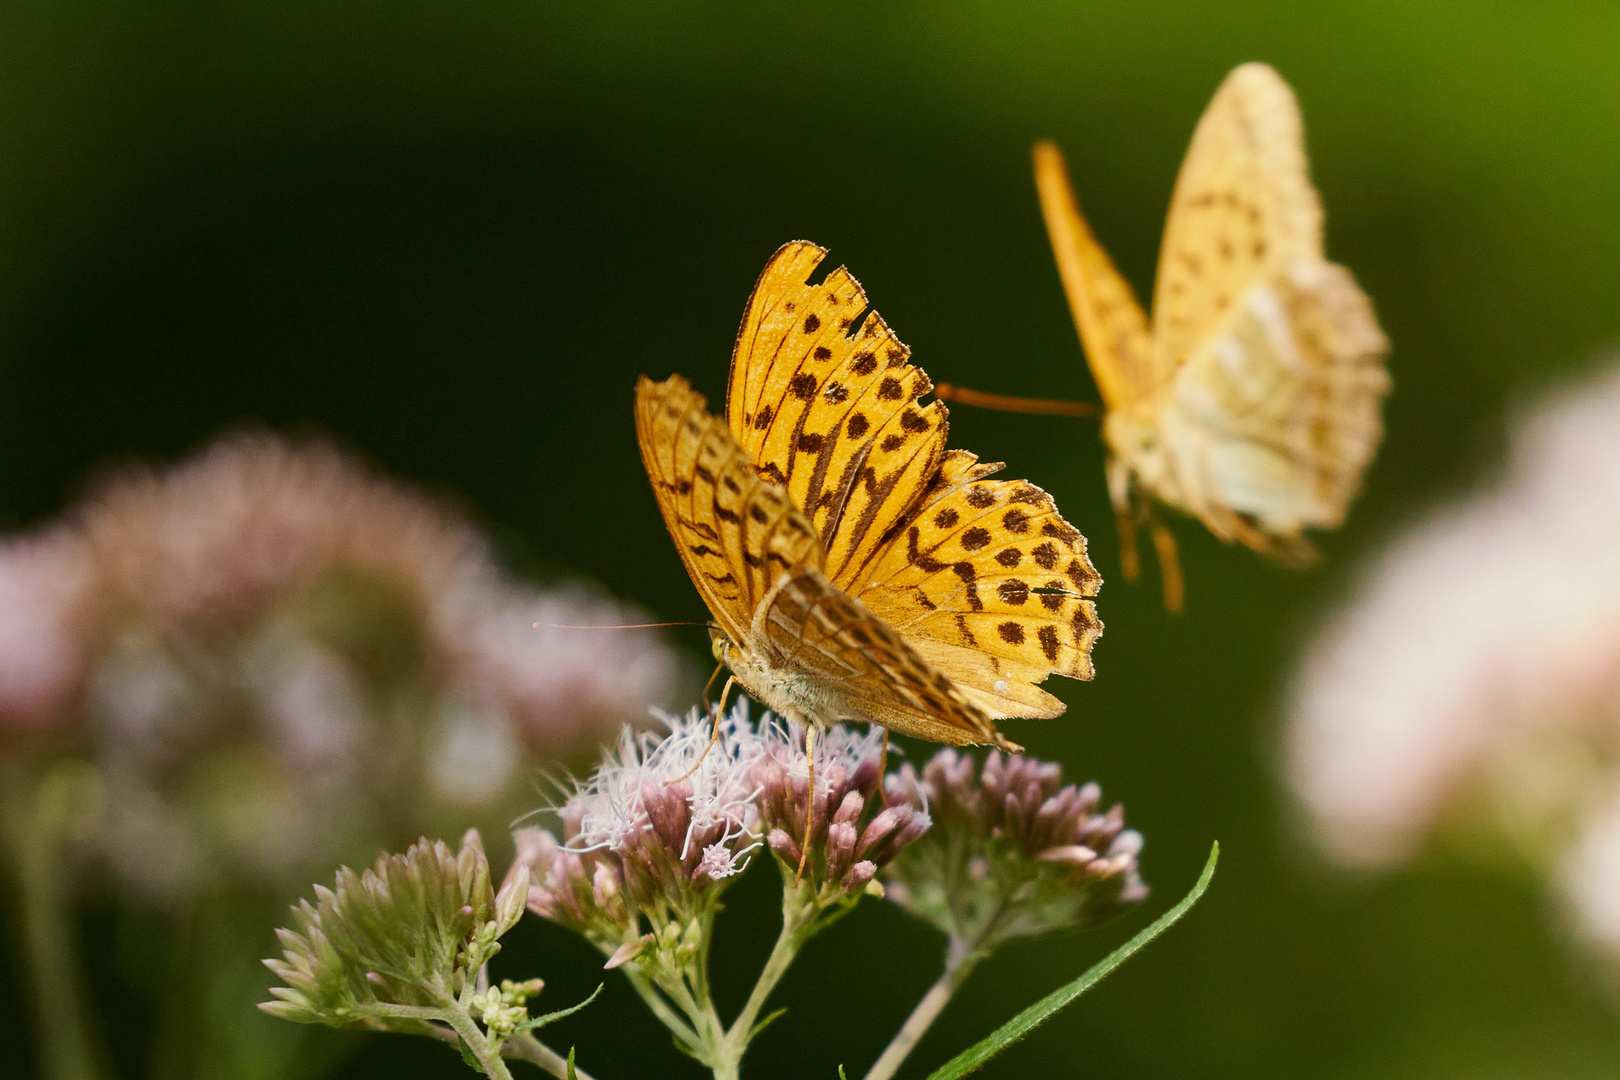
301, 640
1014, 852
661, 824
848, 843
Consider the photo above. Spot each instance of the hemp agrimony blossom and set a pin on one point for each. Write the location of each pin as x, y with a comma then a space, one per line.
1013, 853
402, 947
656, 831
651, 840
850, 838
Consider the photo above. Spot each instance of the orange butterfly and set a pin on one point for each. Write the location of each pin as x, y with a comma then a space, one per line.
856, 568
1251, 402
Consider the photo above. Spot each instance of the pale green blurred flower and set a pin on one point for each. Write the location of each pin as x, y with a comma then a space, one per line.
409, 931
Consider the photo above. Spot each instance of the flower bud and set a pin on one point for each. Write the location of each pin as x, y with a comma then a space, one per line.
426, 917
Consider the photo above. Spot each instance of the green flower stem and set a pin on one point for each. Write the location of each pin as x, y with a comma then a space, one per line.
49, 941
799, 925
526, 1047
958, 966
481, 1046
520, 1047
661, 1009
961, 957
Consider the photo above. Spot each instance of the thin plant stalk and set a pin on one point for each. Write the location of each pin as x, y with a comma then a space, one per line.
802, 919
522, 1046
477, 1043
958, 966
961, 957
525, 1047
49, 942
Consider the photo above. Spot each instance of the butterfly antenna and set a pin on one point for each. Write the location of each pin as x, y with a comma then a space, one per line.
810, 733
617, 626
1164, 542
1004, 403
719, 712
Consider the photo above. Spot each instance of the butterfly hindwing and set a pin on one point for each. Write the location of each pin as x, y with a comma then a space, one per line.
993, 585
868, 670
1274, 419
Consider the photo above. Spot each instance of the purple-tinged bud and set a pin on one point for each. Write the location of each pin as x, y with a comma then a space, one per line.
859, 876
841, 839
786, 848
628, 952
850, 808
885, 825
1075, 854
604, 884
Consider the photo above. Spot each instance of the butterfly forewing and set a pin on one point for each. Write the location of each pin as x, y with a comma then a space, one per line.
1113, 328
736, 532
911, 530
1243, 206
829, 407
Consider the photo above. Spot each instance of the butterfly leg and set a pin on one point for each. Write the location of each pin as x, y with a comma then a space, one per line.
1129, 564
719, 713
718, 668
1164, 542
811, 730
1127, 515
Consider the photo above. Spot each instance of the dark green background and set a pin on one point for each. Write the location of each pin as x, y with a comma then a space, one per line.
452, 234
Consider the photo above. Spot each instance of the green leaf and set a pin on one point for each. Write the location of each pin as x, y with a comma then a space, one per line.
1037, 1014
467, 1056
572, 1075
759, 1027
541, 1021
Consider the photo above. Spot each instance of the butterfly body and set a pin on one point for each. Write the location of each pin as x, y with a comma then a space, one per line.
856, 568
1250, 400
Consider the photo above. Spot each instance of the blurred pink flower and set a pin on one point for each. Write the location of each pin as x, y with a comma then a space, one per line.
208, 546
42, 666
563, 686
270, 644
1480, 656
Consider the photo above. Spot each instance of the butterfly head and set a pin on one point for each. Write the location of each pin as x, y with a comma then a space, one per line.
719, 643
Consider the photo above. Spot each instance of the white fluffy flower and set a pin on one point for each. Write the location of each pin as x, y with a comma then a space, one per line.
611, 810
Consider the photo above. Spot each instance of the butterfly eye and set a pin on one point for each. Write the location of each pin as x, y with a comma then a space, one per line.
717, 644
